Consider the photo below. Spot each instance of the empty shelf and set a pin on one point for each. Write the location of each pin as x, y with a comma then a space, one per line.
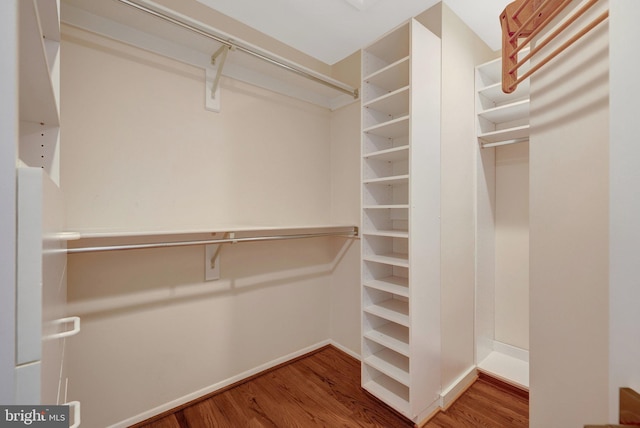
391, 284
392, 336
392, 310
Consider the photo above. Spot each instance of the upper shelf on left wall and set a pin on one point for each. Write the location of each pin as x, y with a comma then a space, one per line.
127, 24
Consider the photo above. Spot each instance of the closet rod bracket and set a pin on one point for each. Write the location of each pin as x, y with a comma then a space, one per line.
222, 53
213, 74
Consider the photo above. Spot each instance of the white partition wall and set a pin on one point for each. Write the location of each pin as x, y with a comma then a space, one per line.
569, 221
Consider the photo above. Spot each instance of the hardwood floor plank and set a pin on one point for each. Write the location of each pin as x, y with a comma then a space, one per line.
485, 404
323, 390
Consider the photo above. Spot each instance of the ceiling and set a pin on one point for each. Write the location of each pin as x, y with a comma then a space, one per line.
330, 30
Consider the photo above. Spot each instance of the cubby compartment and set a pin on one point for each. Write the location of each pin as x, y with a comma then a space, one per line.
375, 246
376, 145
386, 277
386, 305
389, 220
387, 107
381, 385
386, 333
386, 51
387, 361
395, 164
388, 192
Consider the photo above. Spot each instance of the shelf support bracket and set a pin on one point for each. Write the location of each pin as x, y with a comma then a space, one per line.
212, 260
213, 75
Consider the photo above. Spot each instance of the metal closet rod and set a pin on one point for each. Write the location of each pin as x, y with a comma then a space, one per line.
230, 45
352, 233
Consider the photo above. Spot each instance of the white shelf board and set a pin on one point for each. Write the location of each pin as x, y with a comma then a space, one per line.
389, 233
391, 77
506, 368
125, 24
391, 364
390, 155
397, 179
492, 70
394, 259
395, 394
516, 133
391, 284
394, 103
392, 336
507, 112
386, 207
393, 310
494, 93
392, 129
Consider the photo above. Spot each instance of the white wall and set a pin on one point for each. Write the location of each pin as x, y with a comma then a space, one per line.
140, 152
569, 234
624, 230
512, 245
8, 156
345, 209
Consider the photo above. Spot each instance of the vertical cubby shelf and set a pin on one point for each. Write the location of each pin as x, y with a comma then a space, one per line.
39, 89
501, 118
400, 219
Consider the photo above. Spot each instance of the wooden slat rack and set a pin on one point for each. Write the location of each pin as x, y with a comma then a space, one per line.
525, 19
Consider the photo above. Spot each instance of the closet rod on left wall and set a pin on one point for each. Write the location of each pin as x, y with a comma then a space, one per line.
353, 233
344, 89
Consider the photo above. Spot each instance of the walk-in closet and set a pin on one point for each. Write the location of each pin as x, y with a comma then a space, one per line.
190, 199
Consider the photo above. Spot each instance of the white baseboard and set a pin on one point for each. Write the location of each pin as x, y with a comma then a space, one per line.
511, 351
346, 350
217, 386
453, 391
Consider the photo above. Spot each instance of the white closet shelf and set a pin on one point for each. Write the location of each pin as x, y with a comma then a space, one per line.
396, 179
506, 368
492, 71
392, 336
393, 310
389, 155
394, 259
507, 113
396, 395
123, 23
394, 103
391, 284
387, 207
497, 96
392, 76
390, 233
392, 129
517, 133
392, 364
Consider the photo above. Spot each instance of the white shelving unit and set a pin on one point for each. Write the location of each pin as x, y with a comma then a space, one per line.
41, 320
502, 118
400, 220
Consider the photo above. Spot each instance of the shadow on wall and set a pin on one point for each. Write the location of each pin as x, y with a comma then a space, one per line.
107, 283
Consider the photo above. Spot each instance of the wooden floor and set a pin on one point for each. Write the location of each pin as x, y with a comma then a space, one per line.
323, 390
